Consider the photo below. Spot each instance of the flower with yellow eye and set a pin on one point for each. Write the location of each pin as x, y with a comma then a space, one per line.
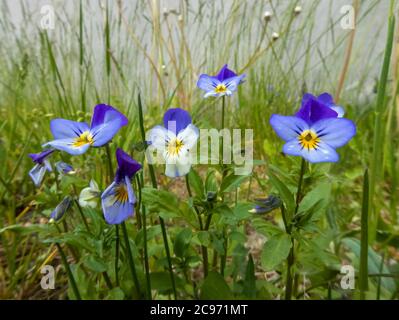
174, 141
118, 199
315, 131
224, 83
76, 137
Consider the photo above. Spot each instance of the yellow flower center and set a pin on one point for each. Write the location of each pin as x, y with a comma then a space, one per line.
83, 139
121, 194
221, 88
309, 139
174, 146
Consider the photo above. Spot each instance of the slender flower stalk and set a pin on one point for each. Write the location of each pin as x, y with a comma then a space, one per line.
69, 272
204, 249
140, 183
161, 221
131, 260
291, 255
117, 254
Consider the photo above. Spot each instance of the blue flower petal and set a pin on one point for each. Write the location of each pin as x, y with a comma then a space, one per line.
208, 83
63, 129
293, 148
115, 211
132, 196
323, 153
232, 83
335, 132
67, 146
37, 174
288, 127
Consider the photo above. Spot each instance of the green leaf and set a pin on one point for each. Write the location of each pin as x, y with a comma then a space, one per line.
284, 192
116, 294
275, 251
210, 182
249, 289
95, 264
182, 242
215, 288
231, 182
321, 192
196, 183
161, 281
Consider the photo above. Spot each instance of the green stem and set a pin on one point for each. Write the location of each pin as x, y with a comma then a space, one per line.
364, 245
110, 168
155, 186
117, 255
144, 227
69, 272
291, 255
130, 259
204, 250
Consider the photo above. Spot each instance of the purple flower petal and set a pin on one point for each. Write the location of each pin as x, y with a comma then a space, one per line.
104, 113
225, 73
176, 120
326, 98
313, 110
39, 157
106, 122
127, 166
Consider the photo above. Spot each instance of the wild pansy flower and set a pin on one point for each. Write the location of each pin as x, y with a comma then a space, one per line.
76, 137
63, 167
175, 140
41, 166
60, 210
315, 131
266, 205
118, 199
89, 196
224, 83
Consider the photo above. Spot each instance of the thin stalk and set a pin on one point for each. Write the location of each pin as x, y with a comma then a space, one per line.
378, 139
204, 250
155, 186
117, 249
110, 168
130, 259
144, 227
69, 272
291, 255
363, 272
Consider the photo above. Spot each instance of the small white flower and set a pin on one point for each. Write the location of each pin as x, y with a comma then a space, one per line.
90, 196
275, 36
